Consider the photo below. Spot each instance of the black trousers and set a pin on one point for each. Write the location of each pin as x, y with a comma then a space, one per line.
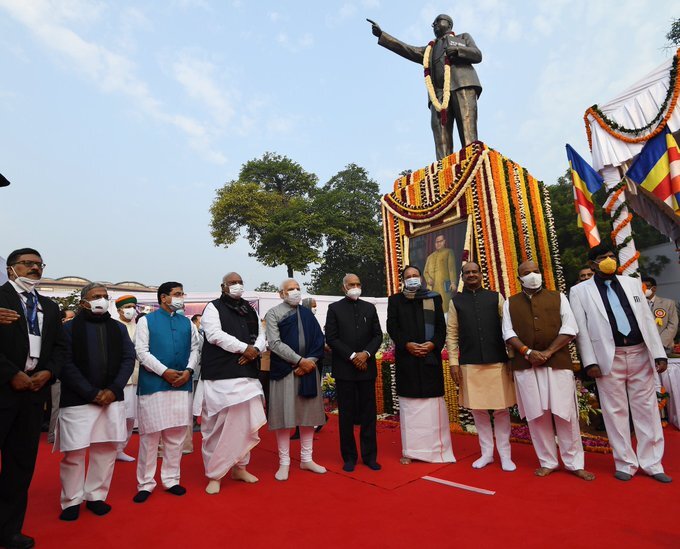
19, 438
356, 401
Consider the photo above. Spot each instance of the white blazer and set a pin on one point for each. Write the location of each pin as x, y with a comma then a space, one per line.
595, 339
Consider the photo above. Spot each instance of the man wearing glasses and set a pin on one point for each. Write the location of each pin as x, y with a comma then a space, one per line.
167, 347
31, 347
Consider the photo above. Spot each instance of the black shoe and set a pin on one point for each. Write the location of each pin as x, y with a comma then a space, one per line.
296, 434
662, 477
348, 466
141, 496
620, 475
177, 490
374, 465
70, 513
98, 507
19, 541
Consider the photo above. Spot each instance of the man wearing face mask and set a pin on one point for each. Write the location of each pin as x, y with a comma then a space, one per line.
126, 305
354, 334
620, 348
167, 345
664, 311
538, 325
231, 409
99, 360
297, 344
31, 349
415, 322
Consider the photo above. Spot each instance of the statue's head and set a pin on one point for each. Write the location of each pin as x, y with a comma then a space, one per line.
442, 24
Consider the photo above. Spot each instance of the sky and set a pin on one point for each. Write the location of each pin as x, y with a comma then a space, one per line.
120, 119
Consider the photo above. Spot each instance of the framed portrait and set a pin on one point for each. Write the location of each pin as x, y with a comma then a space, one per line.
438, 253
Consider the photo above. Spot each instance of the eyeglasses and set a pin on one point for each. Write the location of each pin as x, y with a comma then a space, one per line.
29, 264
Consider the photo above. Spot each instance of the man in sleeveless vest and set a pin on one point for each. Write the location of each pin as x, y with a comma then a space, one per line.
126, 306
168, 348
538, 324
231, 406
297, 344
478, 362
99, 360
621, 349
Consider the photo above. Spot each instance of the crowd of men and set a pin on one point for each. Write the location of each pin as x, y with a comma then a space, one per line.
142, 369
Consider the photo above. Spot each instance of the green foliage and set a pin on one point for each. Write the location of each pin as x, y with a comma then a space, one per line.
69, 303
272, 202
348, 205
572, 240
673, 35
267, 287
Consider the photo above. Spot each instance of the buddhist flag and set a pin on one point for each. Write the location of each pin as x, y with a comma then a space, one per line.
586, 181
657, 169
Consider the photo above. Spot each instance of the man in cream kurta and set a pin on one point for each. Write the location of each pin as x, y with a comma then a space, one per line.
538, 324
231, 405
440, 270
478, 362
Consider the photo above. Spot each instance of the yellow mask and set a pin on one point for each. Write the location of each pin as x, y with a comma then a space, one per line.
608, 266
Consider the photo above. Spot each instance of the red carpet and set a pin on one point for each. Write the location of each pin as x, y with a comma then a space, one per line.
390, 508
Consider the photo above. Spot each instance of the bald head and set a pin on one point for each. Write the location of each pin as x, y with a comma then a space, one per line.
472, 276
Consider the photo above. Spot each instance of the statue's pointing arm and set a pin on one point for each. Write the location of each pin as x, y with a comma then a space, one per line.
412, 53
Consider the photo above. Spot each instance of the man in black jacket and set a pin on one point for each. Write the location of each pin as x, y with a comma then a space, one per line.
31, 344
98, 362
353, 333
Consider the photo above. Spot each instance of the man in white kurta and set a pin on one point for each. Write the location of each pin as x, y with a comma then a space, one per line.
98, 361
231, 403
621, 349
538, 324
126, 306
167, 347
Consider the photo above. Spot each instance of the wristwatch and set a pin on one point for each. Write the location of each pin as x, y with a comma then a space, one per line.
191, 372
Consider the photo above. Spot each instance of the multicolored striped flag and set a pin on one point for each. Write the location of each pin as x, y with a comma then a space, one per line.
586, 181
657, 169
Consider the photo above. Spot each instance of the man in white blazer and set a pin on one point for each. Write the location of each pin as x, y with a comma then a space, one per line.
620, 348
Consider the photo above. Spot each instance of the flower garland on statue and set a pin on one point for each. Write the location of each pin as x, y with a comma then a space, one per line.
443, 107
616, 130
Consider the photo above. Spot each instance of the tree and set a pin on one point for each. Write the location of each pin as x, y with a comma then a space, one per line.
69, 303
673, 35
267, 287
348, 204
571, 238
272, 202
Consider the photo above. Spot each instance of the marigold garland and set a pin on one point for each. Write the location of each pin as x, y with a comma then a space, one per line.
617, 131
624, 223
441, 108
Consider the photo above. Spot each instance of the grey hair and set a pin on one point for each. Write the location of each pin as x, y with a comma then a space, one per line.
227, 275
344, 278
284, 281
91, 286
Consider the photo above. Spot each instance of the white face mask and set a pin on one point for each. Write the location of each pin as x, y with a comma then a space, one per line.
129, 313
354, 293
177, 303
25, 283
236, 290
412, 284
99, 306
532, 281
293, 297
648, 293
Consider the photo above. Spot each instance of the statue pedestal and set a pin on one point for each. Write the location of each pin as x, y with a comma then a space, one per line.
488, 208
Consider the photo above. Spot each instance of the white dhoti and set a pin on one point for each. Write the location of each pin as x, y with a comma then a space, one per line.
163, 416
99, 428
425, 431
632, 381
231, 416
130, 393
545, 395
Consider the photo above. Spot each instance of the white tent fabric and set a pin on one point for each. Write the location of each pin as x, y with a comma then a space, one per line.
634, 108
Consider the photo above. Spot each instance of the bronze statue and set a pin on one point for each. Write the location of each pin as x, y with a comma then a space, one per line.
458, 52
